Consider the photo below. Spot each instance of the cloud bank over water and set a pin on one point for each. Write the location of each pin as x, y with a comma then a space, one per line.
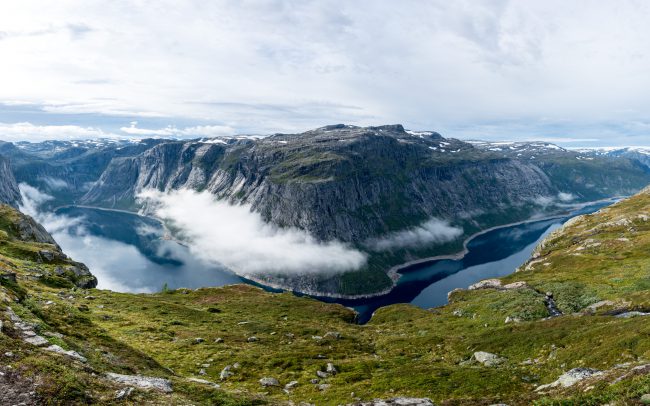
239, 239
434, 231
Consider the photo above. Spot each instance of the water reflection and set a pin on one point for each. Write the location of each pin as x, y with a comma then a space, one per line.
127, 254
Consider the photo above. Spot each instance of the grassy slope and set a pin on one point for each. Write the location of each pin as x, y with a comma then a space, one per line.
402, 351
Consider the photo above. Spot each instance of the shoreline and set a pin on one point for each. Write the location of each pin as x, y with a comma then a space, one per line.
395, 272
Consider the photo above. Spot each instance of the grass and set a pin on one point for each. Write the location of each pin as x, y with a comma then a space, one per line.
402, 351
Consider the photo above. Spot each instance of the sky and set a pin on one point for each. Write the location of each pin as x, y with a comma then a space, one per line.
574, 73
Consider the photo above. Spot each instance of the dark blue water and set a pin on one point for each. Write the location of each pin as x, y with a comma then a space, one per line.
129, 253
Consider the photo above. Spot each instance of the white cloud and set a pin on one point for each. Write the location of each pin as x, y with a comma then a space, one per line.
531, 68
171, 131
239, 239
433, 231
565, 197
31, 132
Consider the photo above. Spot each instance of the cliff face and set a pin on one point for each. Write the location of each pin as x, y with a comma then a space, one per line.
351, 183
9, 193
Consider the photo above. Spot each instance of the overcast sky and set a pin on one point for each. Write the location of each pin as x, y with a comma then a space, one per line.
573, 72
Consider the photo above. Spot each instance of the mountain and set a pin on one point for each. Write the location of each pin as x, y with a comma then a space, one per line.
66, 169
359, 185
9, 193
640, 154
567, 328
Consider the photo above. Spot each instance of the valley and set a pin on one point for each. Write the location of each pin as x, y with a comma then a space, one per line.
414, 194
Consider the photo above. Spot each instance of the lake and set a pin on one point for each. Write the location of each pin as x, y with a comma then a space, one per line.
131, 253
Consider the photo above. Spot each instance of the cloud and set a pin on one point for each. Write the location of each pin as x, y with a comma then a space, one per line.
30, 132
433, 231
533, 68
239, 239
171, 131
565, 197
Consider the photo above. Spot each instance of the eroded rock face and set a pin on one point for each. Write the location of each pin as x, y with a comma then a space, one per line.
9, 193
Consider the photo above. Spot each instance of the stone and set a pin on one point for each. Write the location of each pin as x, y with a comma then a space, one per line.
488, 359
72, 354
516, 285
204, 382
36, 340
512, 320
570, 378
324, 386
333, 334
331, 369
252, 339
218, 340
398, 402
314, 381
225, 373
486, 284
645, 399
291, 385
124, 393
199, 340
266, 382
202, 372
144, 382
322, 374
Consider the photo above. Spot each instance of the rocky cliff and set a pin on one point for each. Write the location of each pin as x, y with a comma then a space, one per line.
358, 184
351, 184
9, 193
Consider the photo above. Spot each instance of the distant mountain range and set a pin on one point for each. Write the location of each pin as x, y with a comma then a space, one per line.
352, 184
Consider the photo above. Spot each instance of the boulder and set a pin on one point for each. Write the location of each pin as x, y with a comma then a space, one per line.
72, 354
225, 373
486, 284
266, 382
570, 378
487, 358
144, 382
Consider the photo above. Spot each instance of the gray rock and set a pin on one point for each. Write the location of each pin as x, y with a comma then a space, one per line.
333, 334
570, 378
218, 340
486, 284
324, 386
124, 393
397, 402
645, 399
628, 315
199, 340
72, 354
225, 373
36, 340
144, 382
252, 339
266, 382
331, 369
488, 359
204, 382
202, 372
322, 374
291, 385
